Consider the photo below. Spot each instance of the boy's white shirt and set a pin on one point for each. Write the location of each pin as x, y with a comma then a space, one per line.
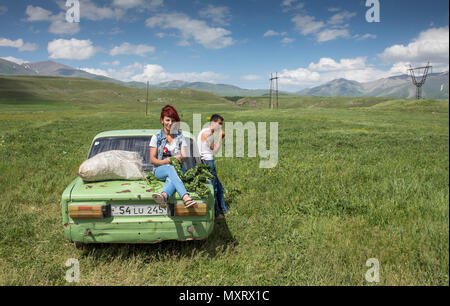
209, 136
209, 140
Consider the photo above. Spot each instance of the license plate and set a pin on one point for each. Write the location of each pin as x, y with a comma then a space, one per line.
138, 210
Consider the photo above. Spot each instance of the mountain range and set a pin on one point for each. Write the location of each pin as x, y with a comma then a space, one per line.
51, 68
436, 86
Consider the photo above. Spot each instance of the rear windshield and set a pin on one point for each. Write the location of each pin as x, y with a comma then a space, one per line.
138, 144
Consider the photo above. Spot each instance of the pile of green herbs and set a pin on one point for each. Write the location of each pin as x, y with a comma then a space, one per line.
195, 179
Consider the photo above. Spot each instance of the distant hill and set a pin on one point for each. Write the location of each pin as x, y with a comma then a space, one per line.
335, 88
219, 89
10, 68
436, 87
50, 68
82, 93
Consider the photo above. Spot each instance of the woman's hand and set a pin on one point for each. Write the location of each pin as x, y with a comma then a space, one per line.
155, 161
179, 158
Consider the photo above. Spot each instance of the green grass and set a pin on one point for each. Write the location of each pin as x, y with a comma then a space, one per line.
356, 178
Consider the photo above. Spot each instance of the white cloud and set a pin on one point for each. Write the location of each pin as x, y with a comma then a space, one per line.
3, 10
18, 43
93, 12
365, 36
274, 33
328, 64
125, 73
287, 2
129, 4
36, 13
95, 71
334, 28
288, 5
300, 76
287, 40
28, 47
209, 37
18, 61
307, 24
331, 34
58, 23
218, 14
183, 43
127, 48
157, 74
399, 68
251, 77
431, 45
341, 17
71, 49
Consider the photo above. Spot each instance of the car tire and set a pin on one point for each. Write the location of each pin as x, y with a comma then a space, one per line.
79, 245
201, 242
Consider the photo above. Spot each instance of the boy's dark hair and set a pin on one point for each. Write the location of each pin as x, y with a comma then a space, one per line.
216, 118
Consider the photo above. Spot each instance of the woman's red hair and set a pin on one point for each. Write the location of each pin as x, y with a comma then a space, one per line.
171, 112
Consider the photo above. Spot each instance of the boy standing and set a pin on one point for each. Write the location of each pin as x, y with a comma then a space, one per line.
207, 149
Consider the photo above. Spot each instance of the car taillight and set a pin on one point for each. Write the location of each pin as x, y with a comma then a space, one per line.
198, 209
82, 211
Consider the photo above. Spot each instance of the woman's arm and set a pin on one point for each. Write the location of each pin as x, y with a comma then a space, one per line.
183, 155
155, 161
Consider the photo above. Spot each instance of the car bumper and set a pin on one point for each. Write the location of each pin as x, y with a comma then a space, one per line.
139, 231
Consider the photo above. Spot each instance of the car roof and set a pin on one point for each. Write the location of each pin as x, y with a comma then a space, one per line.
122, 133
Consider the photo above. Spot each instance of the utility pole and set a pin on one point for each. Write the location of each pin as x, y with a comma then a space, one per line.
146, 101
271, 92
276, 77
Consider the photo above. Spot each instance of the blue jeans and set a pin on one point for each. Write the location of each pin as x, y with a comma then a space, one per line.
218, 190
173, 181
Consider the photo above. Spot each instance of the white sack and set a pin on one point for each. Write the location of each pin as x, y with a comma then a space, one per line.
112, 165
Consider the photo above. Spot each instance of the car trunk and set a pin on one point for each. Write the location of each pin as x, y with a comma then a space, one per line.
128, 195
117, 190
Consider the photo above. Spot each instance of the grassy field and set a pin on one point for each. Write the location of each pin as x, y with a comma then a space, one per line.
355, 179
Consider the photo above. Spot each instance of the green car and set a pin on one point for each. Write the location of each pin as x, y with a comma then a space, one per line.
122, 211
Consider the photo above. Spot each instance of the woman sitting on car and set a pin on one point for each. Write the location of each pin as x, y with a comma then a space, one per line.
167, 143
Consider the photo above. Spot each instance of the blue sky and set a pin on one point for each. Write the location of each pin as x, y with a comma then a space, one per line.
237, 42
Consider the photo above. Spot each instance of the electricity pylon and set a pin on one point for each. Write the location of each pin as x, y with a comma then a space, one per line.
273, 89
419, 82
